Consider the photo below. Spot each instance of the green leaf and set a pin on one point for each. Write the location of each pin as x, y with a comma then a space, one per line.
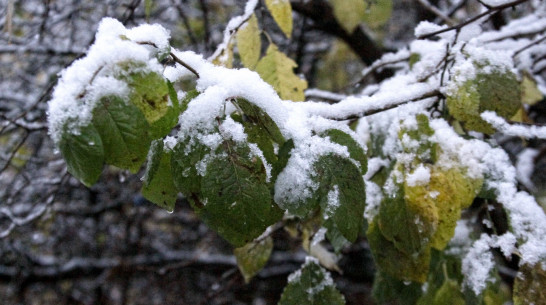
335, 237
389, 290
496, 91
311, 285
377, 13
249, 42
124, 132
259, 127
84, 153
190, 95
237, 202
356, 151
158, 185
183, 165
282, 158
349, 13
529, 286
260, 118
281, 10
252, 257
397, 264
342, 194
413, 59
148, 4
449, 293
277, 70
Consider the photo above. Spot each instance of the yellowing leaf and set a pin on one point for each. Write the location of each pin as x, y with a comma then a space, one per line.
349, 13
495, 91
252, 257
407, 224
377, 13
281, 10
277, 70
338, 67
530, 94
249, 42
529, 287
448, 191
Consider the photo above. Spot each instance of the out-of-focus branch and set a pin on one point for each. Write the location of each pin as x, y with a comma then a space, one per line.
185, 21
321, 13
490, 11
426, 4
51, 268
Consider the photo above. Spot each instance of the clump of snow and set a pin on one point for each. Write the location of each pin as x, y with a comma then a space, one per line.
420, 176
427, 27
374, 196
525, 166
478, 264
333, 201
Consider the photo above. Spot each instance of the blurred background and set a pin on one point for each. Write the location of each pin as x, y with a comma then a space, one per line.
64, 243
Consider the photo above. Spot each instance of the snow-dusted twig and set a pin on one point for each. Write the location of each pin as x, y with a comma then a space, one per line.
514, 129
234, 25
492, 10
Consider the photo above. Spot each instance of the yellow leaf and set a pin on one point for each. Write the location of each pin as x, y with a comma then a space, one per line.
281, 10
530, 94
349, 13
448, 191
277, 70
377, 13
338, 67
252, 257
249, 42
225, 58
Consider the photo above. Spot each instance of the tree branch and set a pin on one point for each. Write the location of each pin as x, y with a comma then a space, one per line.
323, 18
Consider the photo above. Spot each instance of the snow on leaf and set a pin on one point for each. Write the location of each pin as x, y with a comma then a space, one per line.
311, 285
277, 69
158, 186
496, 91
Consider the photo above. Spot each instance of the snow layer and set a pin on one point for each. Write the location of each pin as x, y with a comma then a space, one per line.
89, 78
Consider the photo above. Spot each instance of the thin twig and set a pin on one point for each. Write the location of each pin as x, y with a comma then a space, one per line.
436, 11
536, 42
459, 26
185, 65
